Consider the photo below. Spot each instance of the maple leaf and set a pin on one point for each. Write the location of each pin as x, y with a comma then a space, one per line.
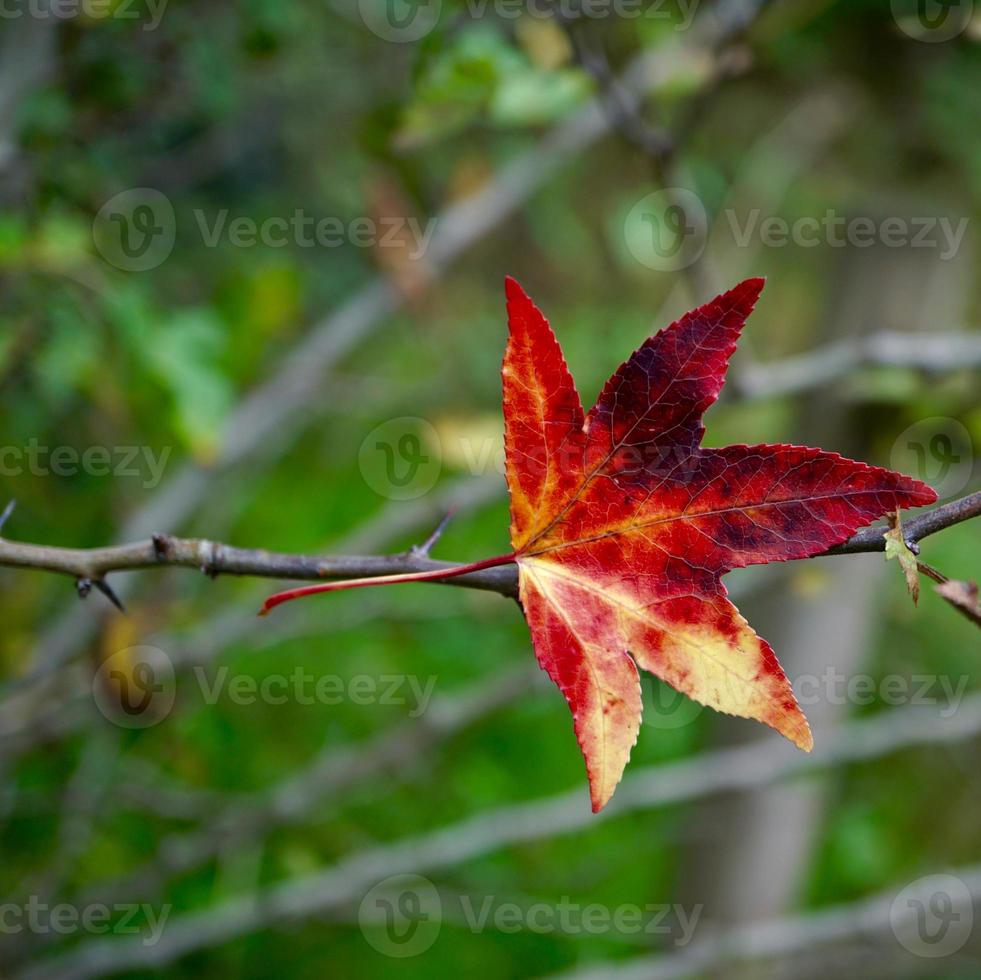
623, 525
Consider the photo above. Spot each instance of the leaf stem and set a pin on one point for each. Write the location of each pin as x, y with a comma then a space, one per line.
436, 574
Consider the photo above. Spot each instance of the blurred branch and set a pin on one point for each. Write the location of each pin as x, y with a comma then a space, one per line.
786, 935
929, 352
213, 558
331, 773
737, 769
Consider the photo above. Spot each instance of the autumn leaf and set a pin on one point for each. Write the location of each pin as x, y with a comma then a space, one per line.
623, 525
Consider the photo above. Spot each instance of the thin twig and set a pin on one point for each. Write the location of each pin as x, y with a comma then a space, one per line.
7, 511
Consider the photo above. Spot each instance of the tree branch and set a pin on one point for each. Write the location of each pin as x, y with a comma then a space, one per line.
92, 565
872, 539
214, 559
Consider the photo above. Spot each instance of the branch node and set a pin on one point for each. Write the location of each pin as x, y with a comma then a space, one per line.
209, 559
161, 546
83, 587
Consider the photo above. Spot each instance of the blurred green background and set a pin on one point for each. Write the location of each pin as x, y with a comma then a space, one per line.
286, 333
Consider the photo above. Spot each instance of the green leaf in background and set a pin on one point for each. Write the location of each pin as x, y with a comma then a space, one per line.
186, 356
481, 74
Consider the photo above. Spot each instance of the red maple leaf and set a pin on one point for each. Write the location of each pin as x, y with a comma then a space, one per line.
622, 526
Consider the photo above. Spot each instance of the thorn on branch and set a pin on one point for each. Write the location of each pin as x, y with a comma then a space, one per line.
7, 511
83, 587
103, 586
422, 550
